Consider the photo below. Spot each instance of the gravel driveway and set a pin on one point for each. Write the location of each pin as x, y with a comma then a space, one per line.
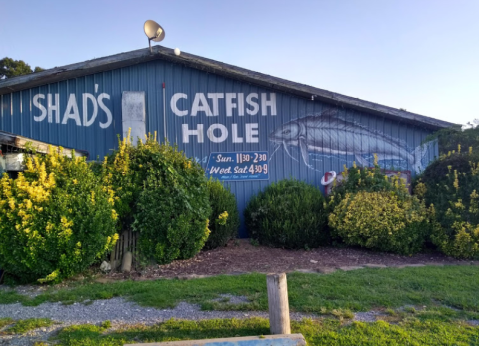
121, 311
118, 310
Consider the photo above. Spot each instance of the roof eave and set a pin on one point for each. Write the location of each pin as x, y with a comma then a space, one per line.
58, 74
25, 143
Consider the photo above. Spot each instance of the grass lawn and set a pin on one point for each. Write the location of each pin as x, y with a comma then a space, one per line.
420, 305
360, 290
316, 332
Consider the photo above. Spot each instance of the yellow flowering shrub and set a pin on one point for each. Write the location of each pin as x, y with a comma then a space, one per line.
451, 186
381, 221
56, 219
161, 194
366, 179
224, 218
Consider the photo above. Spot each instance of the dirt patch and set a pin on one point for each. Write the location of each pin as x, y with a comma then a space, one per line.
241, 256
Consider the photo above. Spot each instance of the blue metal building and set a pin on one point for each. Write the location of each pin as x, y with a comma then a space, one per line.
246, 128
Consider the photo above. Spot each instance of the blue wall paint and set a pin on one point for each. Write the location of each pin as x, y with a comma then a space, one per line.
372, 133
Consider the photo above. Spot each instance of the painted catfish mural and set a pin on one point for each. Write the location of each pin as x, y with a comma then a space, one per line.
329, 134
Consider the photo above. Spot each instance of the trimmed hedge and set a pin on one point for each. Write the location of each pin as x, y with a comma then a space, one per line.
163, 195
288, 214
381, 221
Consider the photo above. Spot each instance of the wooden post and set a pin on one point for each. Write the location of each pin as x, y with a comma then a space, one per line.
126, 262
278, 303
113, 258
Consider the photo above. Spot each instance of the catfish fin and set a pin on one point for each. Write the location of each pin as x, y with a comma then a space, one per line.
361, 160
304, 151
332, 112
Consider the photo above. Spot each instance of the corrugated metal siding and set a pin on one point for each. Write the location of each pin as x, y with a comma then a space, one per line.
17, 112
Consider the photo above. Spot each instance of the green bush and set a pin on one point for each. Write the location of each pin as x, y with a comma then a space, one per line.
365, 179
288, 214
224, 219
381, 221
56, 219
163, 196
451, 186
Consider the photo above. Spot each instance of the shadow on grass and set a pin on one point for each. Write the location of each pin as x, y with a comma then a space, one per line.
316, 332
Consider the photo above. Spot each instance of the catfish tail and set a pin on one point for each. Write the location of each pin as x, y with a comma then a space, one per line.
423, 151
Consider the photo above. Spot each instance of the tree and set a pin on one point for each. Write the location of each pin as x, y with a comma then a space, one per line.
449, 138
471, 125
12, 68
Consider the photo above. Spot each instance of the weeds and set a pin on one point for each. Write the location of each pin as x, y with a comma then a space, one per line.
5, 322
254, 242
23, 326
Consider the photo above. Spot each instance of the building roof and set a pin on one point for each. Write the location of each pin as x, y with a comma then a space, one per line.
15, 141
162, 53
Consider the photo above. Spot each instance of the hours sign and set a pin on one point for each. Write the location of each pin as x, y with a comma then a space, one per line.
239, 166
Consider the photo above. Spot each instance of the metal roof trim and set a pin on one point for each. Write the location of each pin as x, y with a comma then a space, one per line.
13, 140
58, 74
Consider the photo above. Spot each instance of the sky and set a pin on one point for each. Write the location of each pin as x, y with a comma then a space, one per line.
419, 55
